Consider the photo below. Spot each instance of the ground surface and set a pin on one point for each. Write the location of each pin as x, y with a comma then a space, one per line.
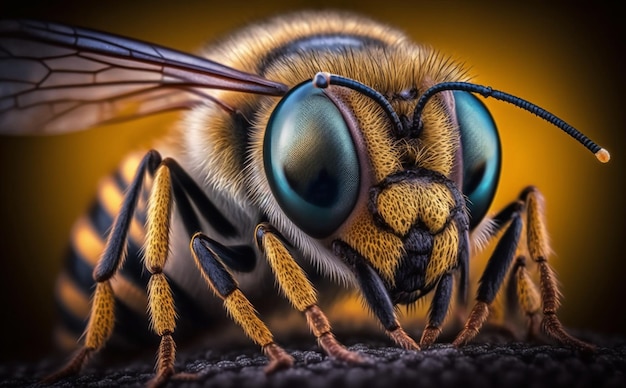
480, 364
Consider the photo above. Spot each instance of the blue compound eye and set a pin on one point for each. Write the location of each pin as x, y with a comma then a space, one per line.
311, 161
481, 154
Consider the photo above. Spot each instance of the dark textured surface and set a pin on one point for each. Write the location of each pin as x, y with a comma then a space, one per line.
479, 364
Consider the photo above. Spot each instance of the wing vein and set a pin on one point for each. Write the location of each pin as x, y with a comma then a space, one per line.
57, 78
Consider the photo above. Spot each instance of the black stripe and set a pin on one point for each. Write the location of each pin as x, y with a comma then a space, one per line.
122, 185
100, 219
131, 326
128, 323
203, 203
119, 180
331, 42
135, 271
80, 271
72, 323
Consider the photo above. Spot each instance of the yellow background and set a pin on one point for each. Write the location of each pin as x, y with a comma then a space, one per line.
561, 57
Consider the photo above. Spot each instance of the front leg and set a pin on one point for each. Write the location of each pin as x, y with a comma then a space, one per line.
494, 274
212, 260
300, 292
539, 249
208, 254
438, 310
376, 295
530, 205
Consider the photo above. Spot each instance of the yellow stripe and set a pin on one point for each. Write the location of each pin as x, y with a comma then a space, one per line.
129, 294
128, 167
89, 246
111, 197
128, 170
74, 300
87, 243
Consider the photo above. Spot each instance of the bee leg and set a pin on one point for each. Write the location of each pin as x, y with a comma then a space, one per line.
531, 204
376, 295
460, 310
438, 310
205, 253
494, 274
99, 329
300, 292
160, 300
463, 257
102, 318
211, 257
528, 296
184, 189
539, 250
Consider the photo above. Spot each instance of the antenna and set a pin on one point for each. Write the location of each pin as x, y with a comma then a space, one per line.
601, 154
323, 80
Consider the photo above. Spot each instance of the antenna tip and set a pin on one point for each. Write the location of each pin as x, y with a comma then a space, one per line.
603, 155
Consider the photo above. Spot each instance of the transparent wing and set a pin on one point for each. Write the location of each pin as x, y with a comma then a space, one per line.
55, 78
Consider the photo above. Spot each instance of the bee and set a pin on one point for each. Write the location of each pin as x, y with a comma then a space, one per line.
314, 146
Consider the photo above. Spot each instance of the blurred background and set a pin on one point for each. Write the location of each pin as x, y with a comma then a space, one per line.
561, 56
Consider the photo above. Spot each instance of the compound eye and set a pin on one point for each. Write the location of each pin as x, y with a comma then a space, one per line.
481, 154
311, 162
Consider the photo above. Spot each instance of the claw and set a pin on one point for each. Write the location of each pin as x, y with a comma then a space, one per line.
321, 329
429, 336
553, 327
475, 321
72, 367
279, 358
466, 335
402, 339
334, 349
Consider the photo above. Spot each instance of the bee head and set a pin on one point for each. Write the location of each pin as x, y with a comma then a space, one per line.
395, 189
343, 175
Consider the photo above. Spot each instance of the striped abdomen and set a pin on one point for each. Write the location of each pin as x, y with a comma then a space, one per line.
75, 284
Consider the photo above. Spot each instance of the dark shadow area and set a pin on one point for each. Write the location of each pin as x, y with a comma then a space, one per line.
488, 362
